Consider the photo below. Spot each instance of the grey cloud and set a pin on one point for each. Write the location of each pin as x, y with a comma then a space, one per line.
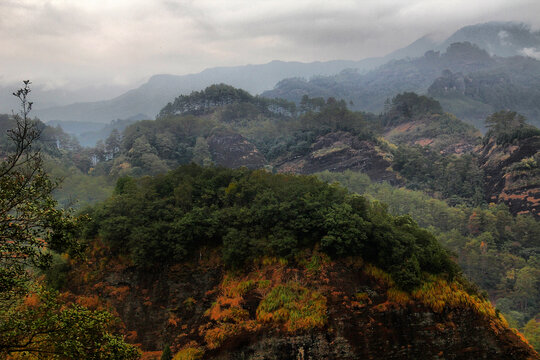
101, 41
531, 52
23, 20
188, 10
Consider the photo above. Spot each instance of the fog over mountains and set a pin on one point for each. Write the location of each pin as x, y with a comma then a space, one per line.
150, 97
498, 39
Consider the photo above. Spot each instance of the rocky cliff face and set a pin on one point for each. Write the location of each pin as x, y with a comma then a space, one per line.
340, 151
442, 132
232, 150
309, 308
429, 131
336, 151
512, 174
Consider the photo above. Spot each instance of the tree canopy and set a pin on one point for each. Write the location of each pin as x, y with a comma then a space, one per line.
507, 126
250, 214
218, 95
33, 320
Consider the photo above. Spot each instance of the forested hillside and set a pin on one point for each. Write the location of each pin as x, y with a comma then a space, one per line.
36, 321
466, 80
308, 180
474, 199
414, 143
66, 160
228, 127
221, 263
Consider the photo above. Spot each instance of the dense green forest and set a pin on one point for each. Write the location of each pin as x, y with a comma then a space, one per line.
254, 213
151, 147
174, 216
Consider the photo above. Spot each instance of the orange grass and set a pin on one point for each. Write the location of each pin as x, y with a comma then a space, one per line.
440, 295
294, 306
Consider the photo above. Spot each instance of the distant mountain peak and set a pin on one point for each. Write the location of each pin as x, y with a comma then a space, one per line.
499, 38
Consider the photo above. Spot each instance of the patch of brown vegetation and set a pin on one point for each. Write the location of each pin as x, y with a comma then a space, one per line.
203, 311
424, 142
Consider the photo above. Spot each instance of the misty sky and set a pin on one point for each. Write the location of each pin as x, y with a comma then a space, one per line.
73, 43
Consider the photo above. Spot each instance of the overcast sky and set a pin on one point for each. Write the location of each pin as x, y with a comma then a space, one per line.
72, 43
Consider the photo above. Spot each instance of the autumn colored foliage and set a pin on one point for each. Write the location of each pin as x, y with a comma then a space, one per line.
294, 306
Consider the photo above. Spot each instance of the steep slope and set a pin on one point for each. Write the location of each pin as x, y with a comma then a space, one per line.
419, 120
237, 264
339, 151
318, 309
232, 150
512, 173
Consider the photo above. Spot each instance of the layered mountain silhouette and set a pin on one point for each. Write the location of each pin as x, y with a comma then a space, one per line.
150, 97
335, 78
466, 80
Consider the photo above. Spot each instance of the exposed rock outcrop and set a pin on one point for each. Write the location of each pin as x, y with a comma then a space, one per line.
512, 174
340, 151
444, 133
232, 150
313, 308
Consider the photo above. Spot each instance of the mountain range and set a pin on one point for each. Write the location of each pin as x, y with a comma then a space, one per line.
150, 97
498, 39
467, 80
502, 39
